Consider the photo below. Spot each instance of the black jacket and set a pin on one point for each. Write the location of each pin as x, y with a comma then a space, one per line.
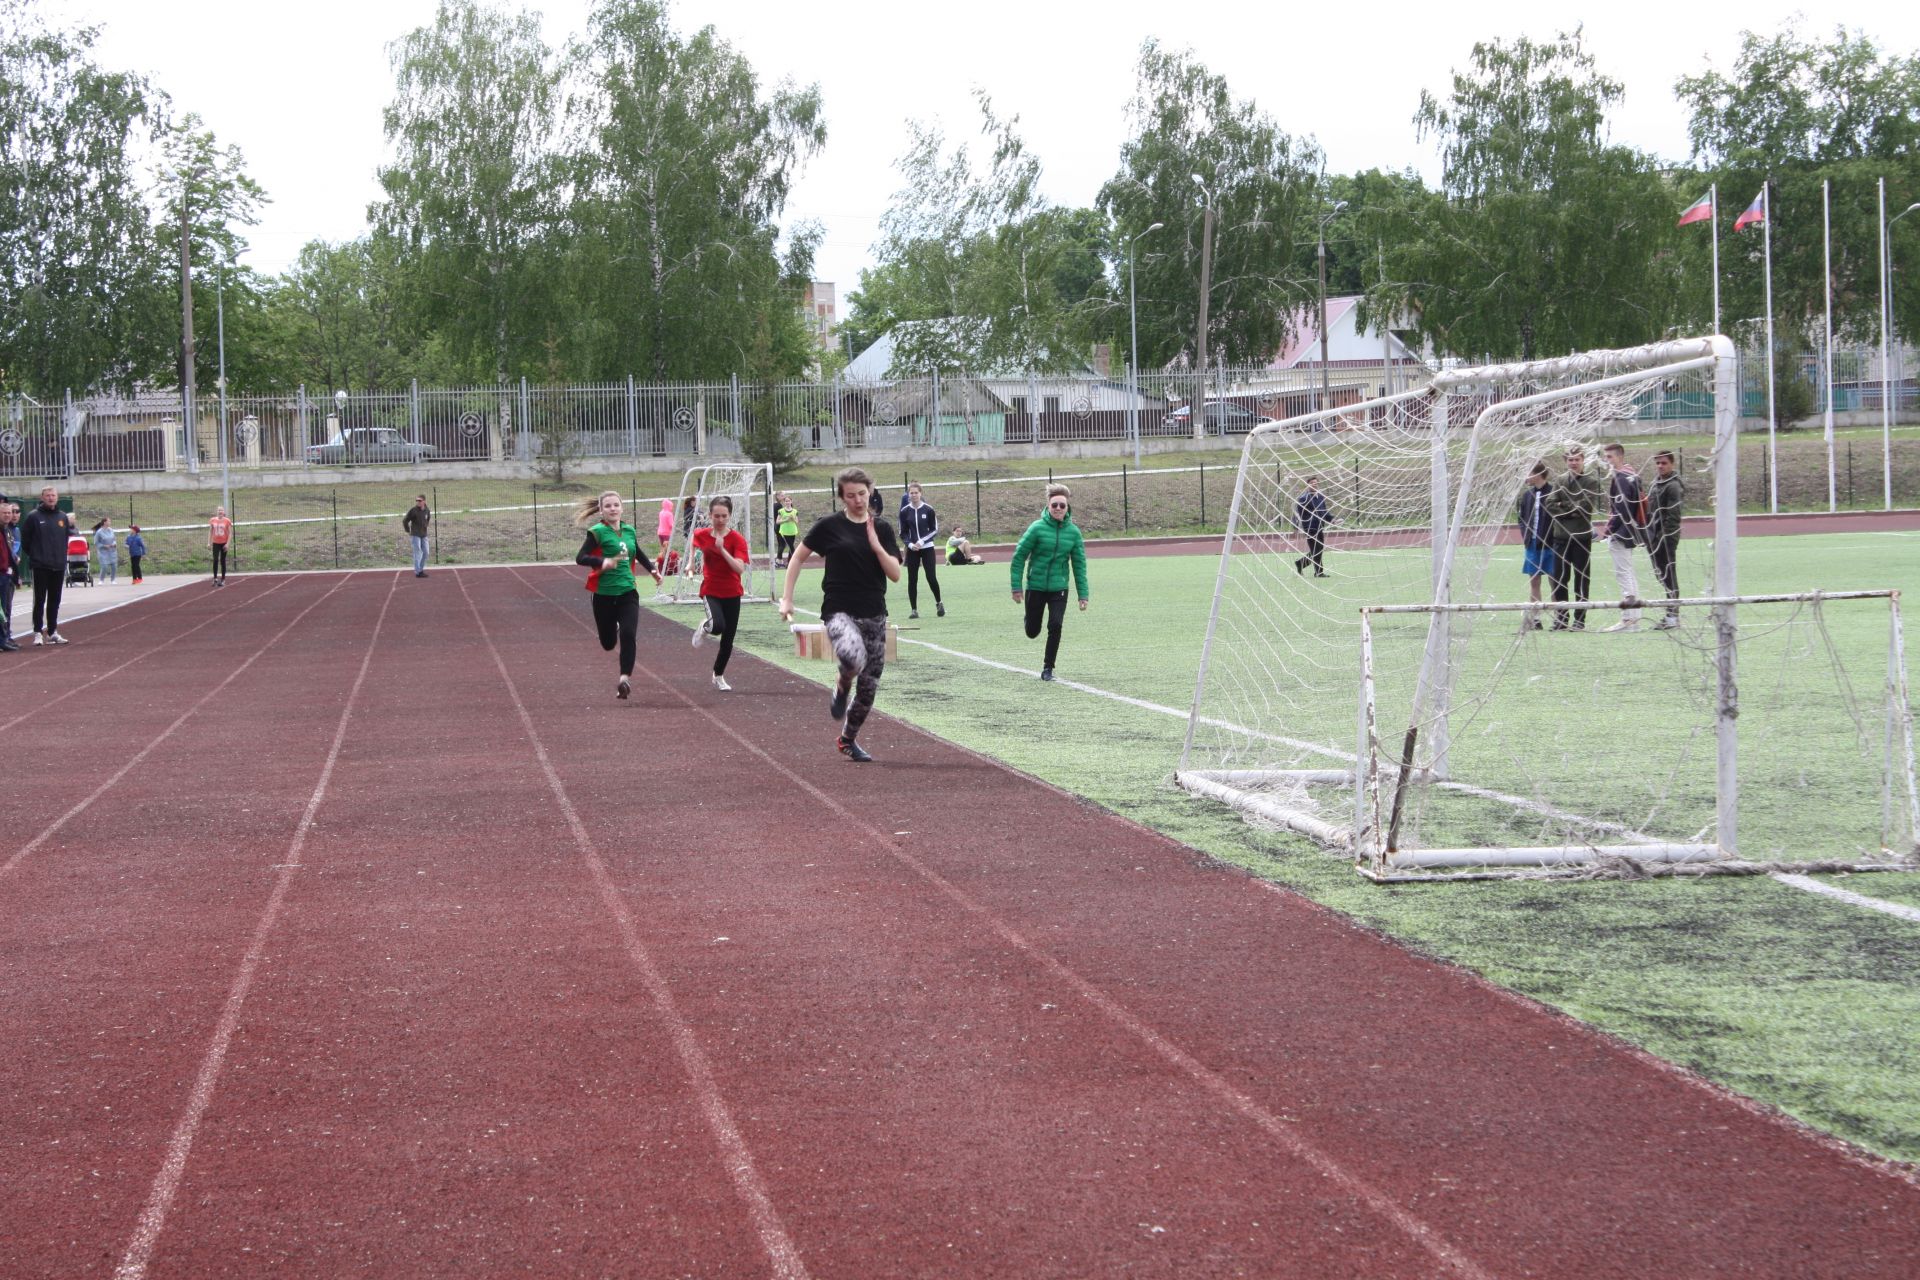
416, 520
917, 525
43, 538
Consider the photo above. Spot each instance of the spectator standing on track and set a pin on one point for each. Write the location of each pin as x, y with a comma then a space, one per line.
43, 545
665, 526
1663, 531
960, 549
9, 572
106, 547
219, 534
862, 556
1626, 528
415, 522
1571, 505
609, 551
917, 526
1048, 550
786, 528
724, 557
1312, 515
136, 549
1537, 559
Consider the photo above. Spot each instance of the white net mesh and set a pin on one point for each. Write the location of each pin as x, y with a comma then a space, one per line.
750, 485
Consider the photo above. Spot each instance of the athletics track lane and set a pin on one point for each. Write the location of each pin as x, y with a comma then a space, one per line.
1534, 1145
118, 933
446, 1067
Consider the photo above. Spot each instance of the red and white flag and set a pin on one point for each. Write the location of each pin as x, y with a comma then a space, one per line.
1699, 211
1756, 212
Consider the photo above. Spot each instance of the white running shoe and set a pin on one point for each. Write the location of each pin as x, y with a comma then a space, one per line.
1623, 626
38, 638
720, 683
54, 637
624, 689
700, 634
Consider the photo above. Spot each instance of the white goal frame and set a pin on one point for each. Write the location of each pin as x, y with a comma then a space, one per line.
697, 483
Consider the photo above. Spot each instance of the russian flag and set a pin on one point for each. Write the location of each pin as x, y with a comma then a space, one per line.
1699, 211
1756, 212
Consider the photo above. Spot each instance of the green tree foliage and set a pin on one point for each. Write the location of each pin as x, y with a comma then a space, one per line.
474, 193
682, 170
1264, 187
1798, 110
1544, 237
342, 317
76, 249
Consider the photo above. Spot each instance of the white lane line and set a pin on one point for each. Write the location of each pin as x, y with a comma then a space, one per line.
145, 653
133, 1263
27, 616
1417, 1229
61, 821
1825, 890
747, 1181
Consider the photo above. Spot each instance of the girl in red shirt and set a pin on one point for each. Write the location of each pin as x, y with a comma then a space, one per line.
723, 558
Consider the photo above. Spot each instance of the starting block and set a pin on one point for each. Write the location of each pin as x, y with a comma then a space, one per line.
810, 641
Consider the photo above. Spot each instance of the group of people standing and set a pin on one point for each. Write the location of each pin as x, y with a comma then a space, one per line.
1556, 516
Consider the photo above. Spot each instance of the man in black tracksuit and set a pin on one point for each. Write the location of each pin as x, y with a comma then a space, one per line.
1663, 531
1571, 504
917, 525
43, 544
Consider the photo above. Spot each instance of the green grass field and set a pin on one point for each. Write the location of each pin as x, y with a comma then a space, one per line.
1806, 1003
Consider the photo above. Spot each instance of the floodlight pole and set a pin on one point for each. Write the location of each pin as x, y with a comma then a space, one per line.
188, 430
1133, 332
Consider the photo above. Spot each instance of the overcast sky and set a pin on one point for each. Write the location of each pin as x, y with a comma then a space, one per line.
300, 88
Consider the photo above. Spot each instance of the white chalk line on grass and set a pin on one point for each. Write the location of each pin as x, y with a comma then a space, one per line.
1281, 1131
748, 1183
145, 653
1519, 802
166, 1184
27, 849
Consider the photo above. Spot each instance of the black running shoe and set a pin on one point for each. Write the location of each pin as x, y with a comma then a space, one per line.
1046, 673
939, 610
837, 709
854, 751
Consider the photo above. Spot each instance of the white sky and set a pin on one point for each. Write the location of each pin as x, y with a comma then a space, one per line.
300, 88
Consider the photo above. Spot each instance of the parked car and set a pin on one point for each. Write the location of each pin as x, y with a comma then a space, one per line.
369, 444
1223, 418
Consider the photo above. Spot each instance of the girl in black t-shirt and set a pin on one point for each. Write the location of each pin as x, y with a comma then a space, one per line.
862, 556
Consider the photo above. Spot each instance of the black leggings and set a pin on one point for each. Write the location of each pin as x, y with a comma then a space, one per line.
1666, 555
618, 618
928, 557
1054, 603
219, 559
48, 586
136, 567
723, 619
786, 545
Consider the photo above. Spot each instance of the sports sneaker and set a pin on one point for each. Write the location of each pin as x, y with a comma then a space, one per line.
1623, 626
39, 639
837, 709
913, 613
624, 689
1046, 673
720, 683
700, 634
939, 609
1667, 624
54, 637
853, 751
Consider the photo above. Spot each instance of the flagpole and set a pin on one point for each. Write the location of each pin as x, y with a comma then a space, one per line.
1826, 235
1773, 457
1713, 201
1886, 389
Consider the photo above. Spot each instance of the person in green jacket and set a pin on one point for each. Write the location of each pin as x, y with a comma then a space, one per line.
786, 528
1048, 549
611, 547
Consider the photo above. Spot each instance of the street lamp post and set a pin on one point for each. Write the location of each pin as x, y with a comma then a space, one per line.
1326, 390
1199, 409
1886, 332
340, 424
1133, 333
220, 339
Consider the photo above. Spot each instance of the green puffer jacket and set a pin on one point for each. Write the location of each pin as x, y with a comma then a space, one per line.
1053, 546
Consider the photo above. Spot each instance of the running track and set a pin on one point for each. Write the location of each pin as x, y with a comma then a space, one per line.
401, 948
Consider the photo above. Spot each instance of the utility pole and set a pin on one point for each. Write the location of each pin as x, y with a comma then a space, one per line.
1206, 287
192, 441
1321, 243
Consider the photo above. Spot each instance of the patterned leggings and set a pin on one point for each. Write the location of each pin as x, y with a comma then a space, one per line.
861, 646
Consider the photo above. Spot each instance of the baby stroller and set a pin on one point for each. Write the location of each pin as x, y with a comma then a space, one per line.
79, 566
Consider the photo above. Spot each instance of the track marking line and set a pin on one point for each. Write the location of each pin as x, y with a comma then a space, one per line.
166, 1184
1811, 885
747, 1181
1414, 1227
235, 607
121, 626
164, 734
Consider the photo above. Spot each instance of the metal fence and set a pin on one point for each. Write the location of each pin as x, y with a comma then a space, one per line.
422, 425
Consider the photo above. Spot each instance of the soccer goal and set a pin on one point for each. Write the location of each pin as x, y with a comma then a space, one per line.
750, 485
1411, 709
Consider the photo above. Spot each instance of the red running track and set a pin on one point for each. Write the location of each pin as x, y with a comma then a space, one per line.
404, 949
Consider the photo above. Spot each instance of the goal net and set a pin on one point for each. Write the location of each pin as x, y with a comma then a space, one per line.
750, 485
1416, 505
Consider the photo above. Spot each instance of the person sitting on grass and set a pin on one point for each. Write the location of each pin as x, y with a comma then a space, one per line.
960, 548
